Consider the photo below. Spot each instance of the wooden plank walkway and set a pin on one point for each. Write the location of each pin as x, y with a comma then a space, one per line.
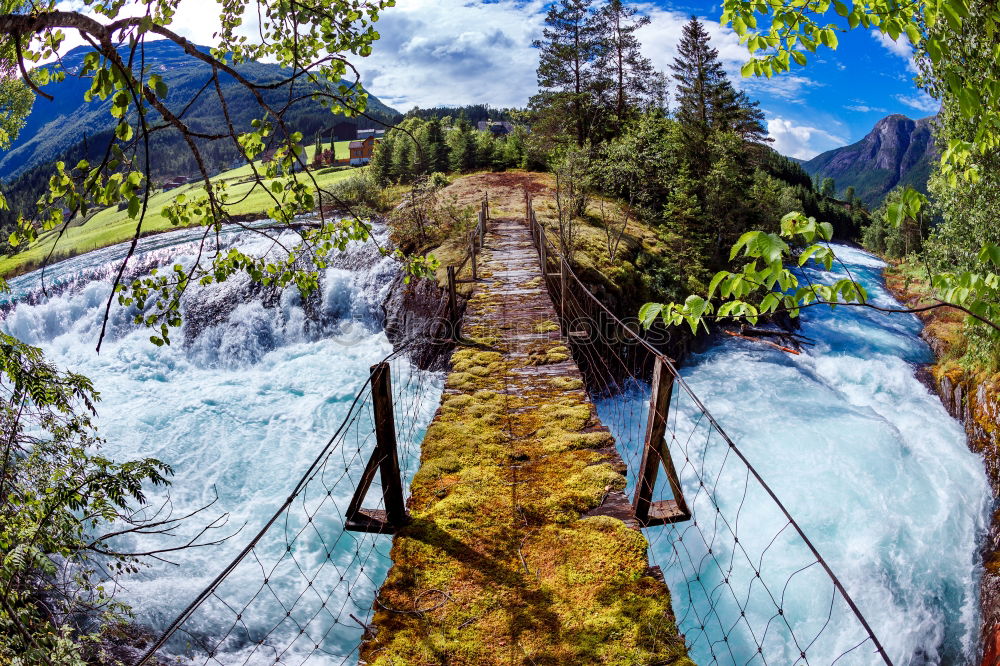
520, 549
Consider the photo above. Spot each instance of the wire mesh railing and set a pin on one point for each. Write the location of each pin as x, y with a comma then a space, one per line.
748, 586
302, 590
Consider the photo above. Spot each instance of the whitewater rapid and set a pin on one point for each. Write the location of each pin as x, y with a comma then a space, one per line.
239, 405
868, 462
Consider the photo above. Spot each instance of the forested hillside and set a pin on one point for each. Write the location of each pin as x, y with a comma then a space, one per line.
56, 127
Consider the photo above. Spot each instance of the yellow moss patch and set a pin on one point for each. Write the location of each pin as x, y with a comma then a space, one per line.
545, 356
546, 326
566, 383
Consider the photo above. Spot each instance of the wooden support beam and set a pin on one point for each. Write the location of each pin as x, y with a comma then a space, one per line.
563, 296
472, 252
452, 302
654, 453
385, 460
542, 257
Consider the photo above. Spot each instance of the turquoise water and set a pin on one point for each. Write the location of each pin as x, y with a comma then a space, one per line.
861, 453
239, 406
867, 461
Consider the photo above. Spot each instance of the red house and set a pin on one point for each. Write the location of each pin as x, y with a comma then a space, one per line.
361, 151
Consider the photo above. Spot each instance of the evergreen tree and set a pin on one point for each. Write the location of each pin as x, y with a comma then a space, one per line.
706, 100
739, 114
318, 149
828, 188
437, 149
380, 167
621, 67
463, 146
566, 60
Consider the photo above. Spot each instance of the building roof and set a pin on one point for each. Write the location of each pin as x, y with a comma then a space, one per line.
356, 144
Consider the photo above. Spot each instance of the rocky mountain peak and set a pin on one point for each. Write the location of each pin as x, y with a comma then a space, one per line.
897, 151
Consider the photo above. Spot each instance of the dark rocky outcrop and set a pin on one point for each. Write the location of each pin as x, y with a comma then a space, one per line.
976, 403
416, 319
898, 151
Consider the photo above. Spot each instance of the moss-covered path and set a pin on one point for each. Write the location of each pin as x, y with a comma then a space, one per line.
506, 560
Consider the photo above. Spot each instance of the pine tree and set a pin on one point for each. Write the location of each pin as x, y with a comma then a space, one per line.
463, 146
566, 60
437, 148
701, 85
318, 149
739, 114
621, 67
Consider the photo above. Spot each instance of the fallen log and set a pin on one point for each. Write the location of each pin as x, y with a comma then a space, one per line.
788, 350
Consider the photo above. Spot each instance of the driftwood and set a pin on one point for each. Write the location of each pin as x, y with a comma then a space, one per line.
793, 341
793, 338
765, 342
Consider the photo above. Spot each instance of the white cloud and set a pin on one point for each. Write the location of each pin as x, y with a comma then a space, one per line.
920, 101
800, 141
899, 47
864, 108
196, 21
446, 52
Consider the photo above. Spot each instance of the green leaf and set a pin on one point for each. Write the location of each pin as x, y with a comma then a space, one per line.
714, 284
990, 252
841, 8
649, 312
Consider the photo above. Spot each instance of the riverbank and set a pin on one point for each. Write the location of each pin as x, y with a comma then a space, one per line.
972, 396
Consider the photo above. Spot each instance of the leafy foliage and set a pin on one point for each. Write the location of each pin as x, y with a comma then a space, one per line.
58, 497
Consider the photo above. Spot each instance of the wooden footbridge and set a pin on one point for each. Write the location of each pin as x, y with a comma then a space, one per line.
521, 545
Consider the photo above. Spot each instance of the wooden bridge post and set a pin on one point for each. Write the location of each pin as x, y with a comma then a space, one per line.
385, 459
542, 250
472, 253
563, 293
655, 452
452, 303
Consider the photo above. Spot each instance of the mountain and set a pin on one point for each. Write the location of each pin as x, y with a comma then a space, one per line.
898, 151
56, 127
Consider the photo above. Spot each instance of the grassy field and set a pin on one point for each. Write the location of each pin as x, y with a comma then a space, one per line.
111, 226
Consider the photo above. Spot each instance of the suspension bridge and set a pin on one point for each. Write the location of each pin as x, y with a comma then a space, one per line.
569, 474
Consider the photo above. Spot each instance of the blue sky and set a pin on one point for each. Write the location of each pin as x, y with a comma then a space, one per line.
439, 52
448, 52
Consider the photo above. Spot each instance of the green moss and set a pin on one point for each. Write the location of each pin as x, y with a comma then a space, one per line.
546, 326
547, 355
566, 383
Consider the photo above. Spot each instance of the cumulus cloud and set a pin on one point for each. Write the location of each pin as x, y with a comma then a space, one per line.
920, 102
447, 52
800, 141
899, 47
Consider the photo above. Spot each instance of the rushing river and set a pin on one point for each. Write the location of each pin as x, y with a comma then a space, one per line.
867, 461
239, 405
861, 453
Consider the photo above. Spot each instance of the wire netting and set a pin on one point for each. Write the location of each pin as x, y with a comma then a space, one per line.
304, 588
